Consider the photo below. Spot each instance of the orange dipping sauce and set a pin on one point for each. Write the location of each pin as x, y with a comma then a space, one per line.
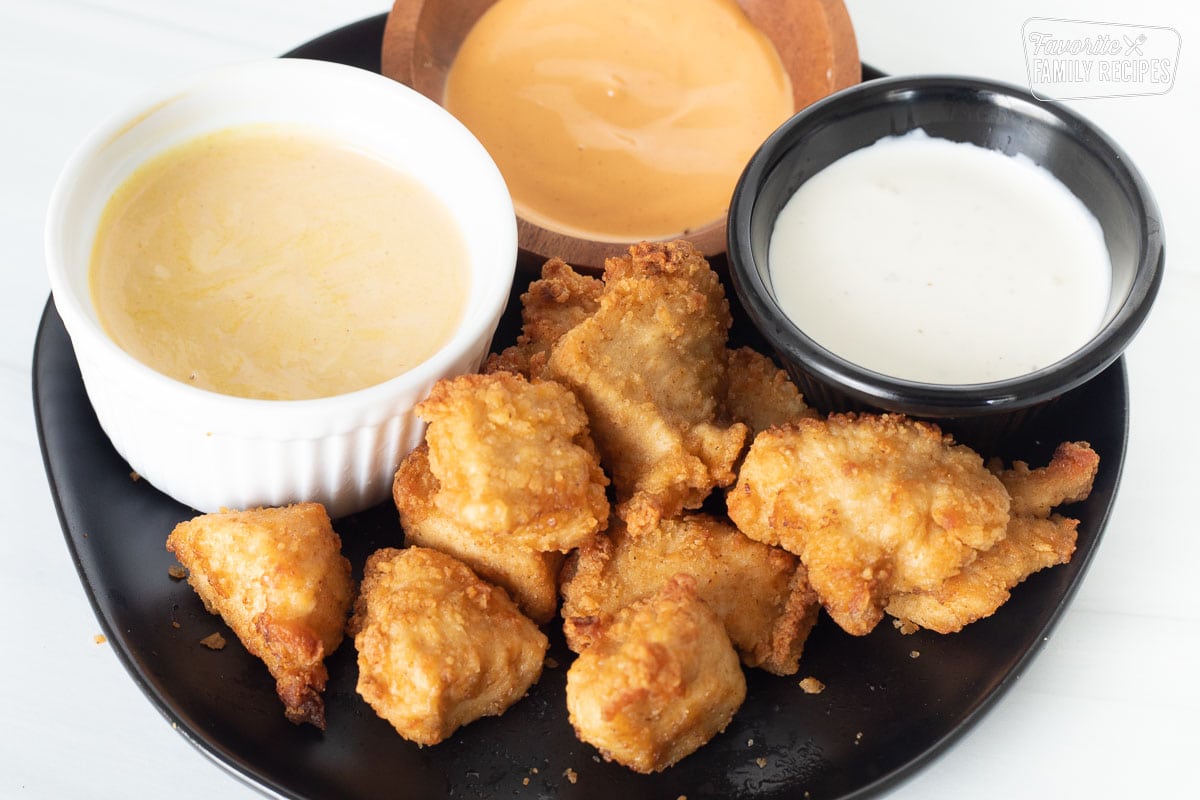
619, 120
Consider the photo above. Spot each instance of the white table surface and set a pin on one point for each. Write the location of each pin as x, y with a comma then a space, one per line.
1107, 709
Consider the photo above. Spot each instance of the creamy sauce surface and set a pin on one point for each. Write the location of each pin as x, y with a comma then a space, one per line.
619, 119
268, 262
940, 262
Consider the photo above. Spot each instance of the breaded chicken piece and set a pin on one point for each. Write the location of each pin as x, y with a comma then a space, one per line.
874, 505
278, 578
985, 584
515, 459
1035, 539
759, 592
552, 305
1066, 479
648, 367
438, 647
529, 576
660, 682
759, 393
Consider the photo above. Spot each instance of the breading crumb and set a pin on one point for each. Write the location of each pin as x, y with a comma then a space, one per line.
550, 663
749, 743
214, 641
134, 476
905, 627
915, 654
177, 572
571, 774
525, 781
811, 685
762, 762
99, 638
858, 737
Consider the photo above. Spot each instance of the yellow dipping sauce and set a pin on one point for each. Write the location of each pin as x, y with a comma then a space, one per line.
270, 262
619, 120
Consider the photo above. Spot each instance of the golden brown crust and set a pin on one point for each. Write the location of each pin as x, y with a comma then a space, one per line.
759, 393
985, 584
278, 579
1066, 479
514, 459
873, 505
648, 366
660, 682
529, 576
761, 593
551, 306
1034, 539
437, 646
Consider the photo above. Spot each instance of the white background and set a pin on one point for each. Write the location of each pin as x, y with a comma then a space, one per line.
1108, 708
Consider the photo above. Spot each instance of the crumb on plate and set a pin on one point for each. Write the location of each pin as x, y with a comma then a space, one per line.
214, 641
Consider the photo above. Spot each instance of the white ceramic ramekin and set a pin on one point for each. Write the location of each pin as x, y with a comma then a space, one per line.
212, 451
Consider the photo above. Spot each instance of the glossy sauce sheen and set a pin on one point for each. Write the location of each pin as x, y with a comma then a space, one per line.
940, 262
267, 262
619, 119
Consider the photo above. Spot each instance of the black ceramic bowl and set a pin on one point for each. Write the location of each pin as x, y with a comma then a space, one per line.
984, 113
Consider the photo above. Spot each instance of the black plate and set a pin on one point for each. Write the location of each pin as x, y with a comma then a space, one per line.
883, 713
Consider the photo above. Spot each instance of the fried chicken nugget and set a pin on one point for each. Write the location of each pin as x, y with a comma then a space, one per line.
648, 366
438, 647
529, 576
515, 458
278, 578
1035, 539
985, 584
759, 393
1067, 478
661, 681
551, 306
874, 505
760, 593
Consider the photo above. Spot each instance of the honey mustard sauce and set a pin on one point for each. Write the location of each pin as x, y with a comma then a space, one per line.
266, 262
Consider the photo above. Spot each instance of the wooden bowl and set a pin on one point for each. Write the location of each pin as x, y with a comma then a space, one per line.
814, 39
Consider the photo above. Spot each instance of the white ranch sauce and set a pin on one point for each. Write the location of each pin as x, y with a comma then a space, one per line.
940, 262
